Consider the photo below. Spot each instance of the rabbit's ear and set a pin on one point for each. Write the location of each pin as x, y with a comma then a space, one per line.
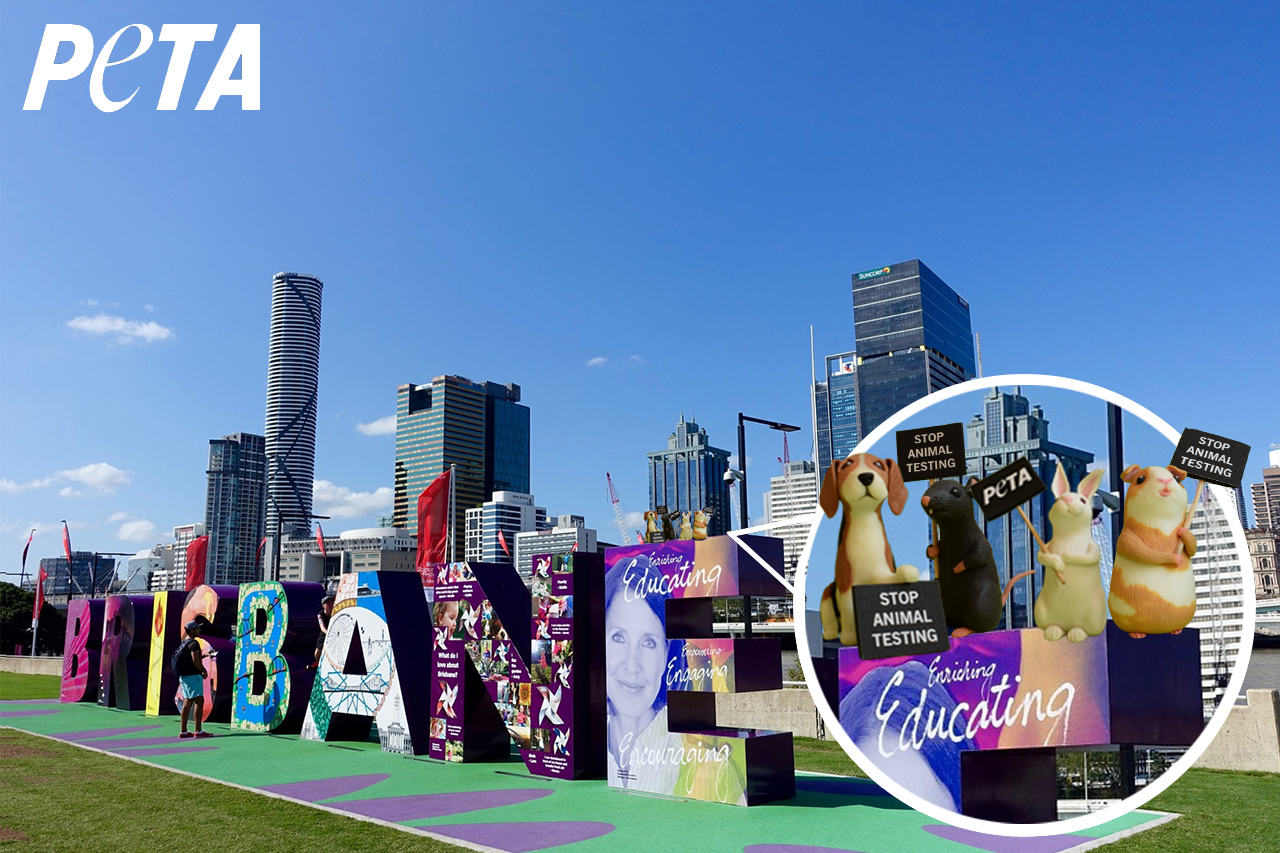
1089, 484
1060, 484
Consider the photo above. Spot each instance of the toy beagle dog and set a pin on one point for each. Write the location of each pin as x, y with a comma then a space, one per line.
861, 484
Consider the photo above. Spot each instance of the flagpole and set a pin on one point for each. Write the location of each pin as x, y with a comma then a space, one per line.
453, 480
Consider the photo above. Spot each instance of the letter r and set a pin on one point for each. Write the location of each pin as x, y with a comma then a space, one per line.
46, 69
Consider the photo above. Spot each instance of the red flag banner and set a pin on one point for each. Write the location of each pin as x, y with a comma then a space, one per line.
257, 558
197, 553
575, 545
40, 579
502, 540
320, 541
433, 522
66, 545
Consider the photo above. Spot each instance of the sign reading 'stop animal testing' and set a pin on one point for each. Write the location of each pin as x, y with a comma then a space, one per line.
931, 453
1006, 489
1211, 458
898, 619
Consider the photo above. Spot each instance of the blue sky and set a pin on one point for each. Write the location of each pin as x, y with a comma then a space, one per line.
513, 191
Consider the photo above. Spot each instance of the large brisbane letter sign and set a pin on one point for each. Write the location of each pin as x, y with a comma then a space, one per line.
276, 642
507, 668
376, 665
663, 670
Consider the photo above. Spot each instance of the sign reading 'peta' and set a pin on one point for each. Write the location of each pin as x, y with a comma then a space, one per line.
1004, 490
242, 49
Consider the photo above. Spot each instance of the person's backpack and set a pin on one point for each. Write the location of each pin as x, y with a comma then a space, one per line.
181, 663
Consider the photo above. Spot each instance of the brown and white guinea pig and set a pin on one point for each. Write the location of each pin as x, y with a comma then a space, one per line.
1153, 590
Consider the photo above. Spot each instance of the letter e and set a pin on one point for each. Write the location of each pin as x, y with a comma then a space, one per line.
103, 62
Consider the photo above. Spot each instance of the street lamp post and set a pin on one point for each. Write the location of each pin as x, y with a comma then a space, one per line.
742, 494
275, 545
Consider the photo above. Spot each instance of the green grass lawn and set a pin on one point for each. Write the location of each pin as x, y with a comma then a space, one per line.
89, 807
57, 797
15, 685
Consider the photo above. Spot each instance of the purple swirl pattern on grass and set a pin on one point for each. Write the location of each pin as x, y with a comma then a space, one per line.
422, 806
1001, 844
524, 837
315, 790
90, 734
29, 712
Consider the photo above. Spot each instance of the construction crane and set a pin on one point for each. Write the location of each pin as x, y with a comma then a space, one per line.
619, 511
785, 459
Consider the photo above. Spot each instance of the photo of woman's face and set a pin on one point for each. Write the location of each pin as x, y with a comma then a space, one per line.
635, 653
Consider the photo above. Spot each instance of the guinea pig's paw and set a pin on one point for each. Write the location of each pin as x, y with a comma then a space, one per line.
1076, 635
1053, 633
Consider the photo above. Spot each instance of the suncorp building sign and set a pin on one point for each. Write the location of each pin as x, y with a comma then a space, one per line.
863, 276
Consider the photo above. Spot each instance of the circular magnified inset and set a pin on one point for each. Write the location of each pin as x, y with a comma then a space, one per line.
983, 611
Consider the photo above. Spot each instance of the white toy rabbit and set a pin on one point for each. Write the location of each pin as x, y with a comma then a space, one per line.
1072, 602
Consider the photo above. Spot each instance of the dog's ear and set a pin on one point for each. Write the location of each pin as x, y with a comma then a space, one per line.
897, 488
829, 500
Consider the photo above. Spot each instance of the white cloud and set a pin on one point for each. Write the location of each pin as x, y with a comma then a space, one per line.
341, 502
139, 530
99, 476
68, 492
635, 522
150, 309
635, 359
382, 426
9, 487
597, 361
119, 516
126, 331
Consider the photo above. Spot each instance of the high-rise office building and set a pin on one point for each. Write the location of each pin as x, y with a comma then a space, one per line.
566, 533
835, 404
791, 495
89, 574
293, 379
689, 475
1220, 576
912, 336
478, 426
508, 513
1009, 428
176, 577
1266, 495
369, 549
234, 507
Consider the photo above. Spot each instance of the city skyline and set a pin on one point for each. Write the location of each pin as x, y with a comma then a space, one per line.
1069, 215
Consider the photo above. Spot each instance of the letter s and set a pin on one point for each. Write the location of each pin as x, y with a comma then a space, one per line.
46, 69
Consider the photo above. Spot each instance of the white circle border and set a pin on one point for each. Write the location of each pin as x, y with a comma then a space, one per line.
1092, 819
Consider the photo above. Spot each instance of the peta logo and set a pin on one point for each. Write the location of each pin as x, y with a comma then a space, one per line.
242, 48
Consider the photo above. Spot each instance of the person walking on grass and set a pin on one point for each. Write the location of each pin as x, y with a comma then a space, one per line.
188, 665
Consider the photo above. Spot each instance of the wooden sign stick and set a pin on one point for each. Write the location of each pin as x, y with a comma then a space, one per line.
1191, 511
1039, 541
1032, 528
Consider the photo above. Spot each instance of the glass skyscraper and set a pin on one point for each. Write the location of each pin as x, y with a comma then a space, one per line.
1008, 429
478, 426
912, 337
835, 401
234, 507
689, 475
293, 379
